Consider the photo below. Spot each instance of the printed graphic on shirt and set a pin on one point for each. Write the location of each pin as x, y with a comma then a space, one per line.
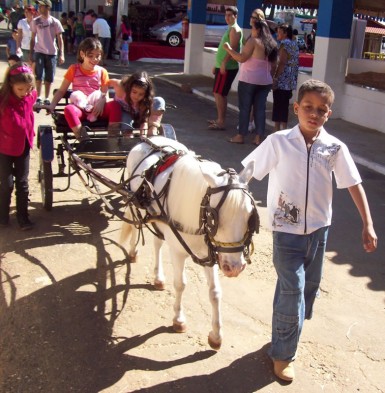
40, 24
324, 155
287, 213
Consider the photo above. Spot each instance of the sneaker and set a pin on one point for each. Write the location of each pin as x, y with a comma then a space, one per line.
25, 224
47, 102
39, 101
83, 134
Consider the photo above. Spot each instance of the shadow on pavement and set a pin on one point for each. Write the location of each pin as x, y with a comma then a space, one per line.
59, 338
248, 374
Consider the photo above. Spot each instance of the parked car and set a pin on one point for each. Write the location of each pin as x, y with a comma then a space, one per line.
170, 31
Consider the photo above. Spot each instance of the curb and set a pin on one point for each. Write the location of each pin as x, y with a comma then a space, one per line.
375, 167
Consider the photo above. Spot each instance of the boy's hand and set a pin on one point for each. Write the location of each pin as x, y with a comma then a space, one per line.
369, 239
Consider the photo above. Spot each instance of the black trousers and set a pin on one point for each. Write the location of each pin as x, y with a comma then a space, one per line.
281, 100
14, 171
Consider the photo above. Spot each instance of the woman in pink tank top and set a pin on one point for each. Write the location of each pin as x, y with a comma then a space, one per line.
258, 61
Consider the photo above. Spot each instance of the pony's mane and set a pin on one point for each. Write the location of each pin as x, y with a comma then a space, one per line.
187, 188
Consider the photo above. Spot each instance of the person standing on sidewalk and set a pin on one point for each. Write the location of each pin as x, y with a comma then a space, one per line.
46, 30
24, 29
102, 32
285, 75
301, 163
258, 58
226, 68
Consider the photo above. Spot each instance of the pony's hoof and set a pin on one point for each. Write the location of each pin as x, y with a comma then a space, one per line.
179, 327
159, 285
216, 345
133, 258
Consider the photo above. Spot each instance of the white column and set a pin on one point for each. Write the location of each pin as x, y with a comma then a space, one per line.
330, 66
194, 49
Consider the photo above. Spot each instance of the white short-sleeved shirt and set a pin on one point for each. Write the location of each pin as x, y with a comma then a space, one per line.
46, 31
300, 189
101, 28
23, 25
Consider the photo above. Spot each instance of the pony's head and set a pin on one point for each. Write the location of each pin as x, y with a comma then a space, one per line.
230, 217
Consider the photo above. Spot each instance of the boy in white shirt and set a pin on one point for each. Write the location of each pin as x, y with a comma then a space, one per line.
300, 163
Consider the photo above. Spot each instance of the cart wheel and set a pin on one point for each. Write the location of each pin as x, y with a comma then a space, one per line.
46, 182
168, 131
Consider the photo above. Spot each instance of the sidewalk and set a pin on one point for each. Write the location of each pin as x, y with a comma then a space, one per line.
367, 146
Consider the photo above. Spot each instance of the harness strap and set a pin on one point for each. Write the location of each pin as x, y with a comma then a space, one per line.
200, 261
170, 160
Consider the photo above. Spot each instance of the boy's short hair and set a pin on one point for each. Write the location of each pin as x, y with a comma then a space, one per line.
314, 85
232, 9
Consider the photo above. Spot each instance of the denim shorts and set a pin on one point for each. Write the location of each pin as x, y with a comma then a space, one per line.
45, 67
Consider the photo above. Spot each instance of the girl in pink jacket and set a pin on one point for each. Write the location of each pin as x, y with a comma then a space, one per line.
17, 98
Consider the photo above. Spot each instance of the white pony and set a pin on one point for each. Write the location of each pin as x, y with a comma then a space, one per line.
199, 209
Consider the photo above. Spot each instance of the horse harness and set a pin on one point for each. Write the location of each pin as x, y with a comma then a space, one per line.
143, 197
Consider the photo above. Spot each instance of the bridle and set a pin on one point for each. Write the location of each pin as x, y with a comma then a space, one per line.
209, 219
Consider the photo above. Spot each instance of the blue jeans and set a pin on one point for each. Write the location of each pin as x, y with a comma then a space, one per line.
298, 261
252, 96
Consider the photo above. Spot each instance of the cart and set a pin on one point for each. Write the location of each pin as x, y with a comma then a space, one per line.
106, 150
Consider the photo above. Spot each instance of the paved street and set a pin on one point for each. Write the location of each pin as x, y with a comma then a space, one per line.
75, 316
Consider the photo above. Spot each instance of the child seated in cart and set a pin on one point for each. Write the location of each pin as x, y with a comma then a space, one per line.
140, 109
90, 84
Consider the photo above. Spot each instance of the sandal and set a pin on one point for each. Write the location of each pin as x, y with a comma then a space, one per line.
216, 127
238, 139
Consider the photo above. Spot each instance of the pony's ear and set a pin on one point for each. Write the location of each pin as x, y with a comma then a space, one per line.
247, 172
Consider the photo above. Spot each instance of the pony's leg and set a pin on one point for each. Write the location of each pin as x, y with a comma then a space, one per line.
215, 295
130, 231
158, 269
178, 263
